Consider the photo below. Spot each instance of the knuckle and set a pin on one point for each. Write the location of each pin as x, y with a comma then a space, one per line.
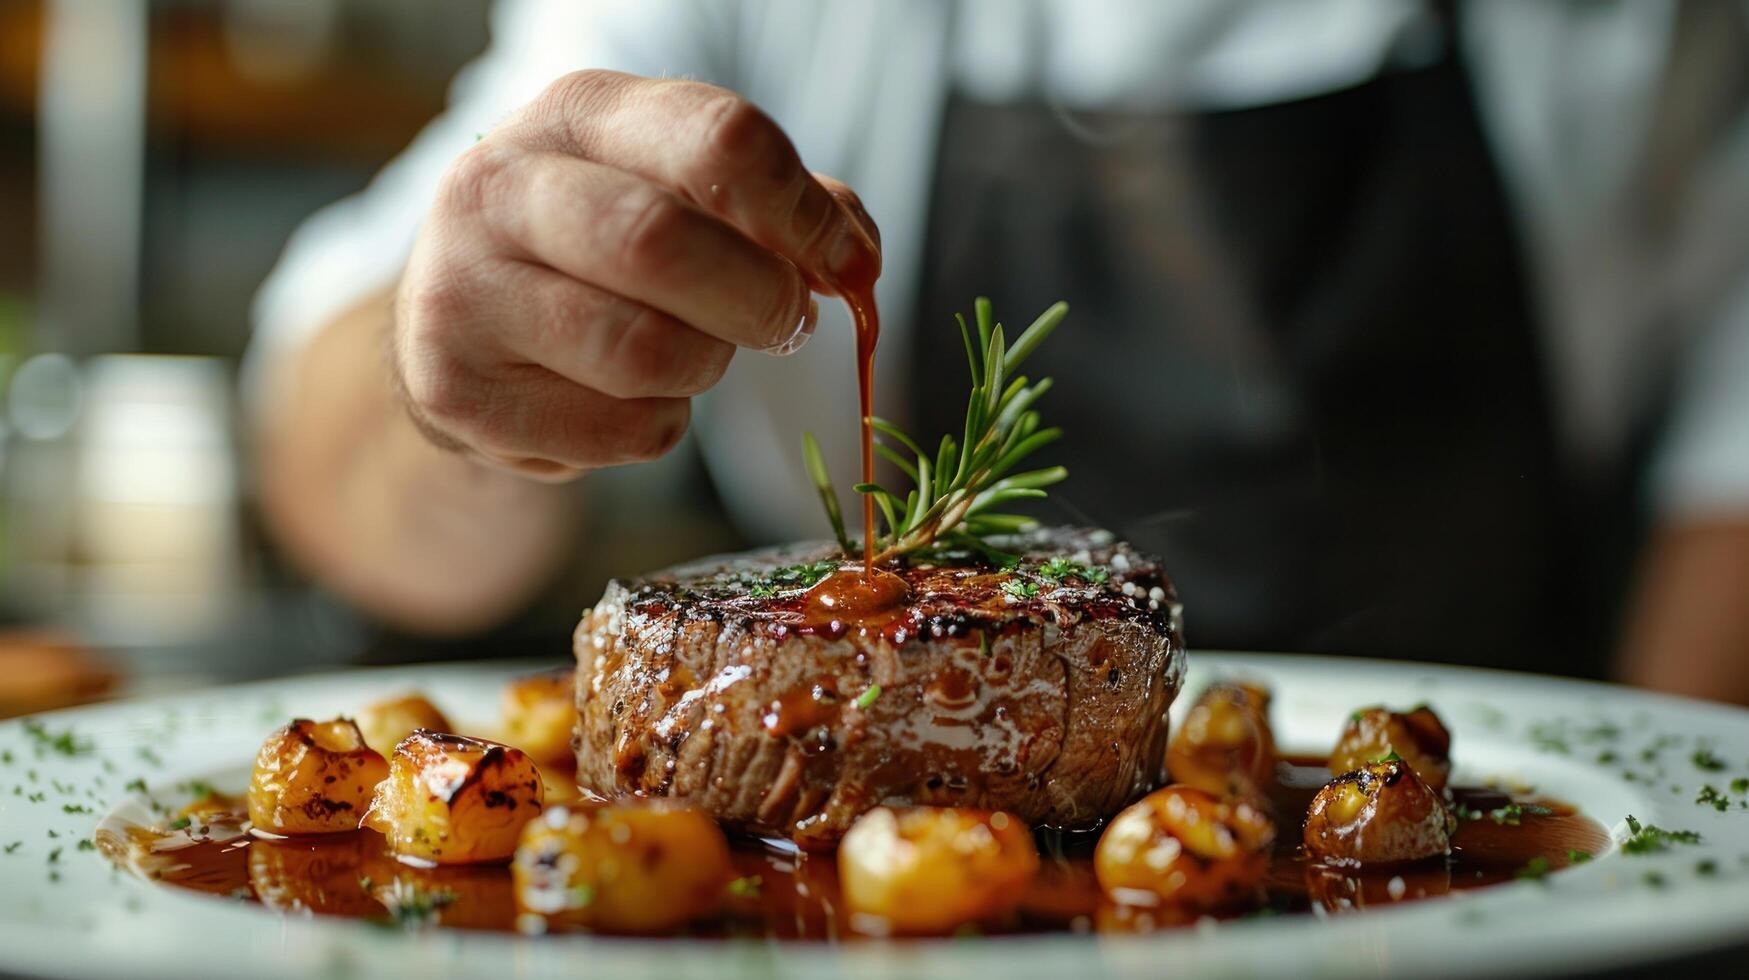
440, 391
642, 356
662, 431
472, 179
739, 136
575, 92
654, 224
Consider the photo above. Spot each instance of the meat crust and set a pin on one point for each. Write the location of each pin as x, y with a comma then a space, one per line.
1040, 689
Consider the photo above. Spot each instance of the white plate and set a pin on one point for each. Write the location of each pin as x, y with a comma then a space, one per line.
65, 912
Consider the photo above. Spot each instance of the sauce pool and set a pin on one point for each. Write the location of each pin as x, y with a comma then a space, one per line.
794, 895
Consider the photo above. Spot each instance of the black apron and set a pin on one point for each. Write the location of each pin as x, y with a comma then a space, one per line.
1300, 362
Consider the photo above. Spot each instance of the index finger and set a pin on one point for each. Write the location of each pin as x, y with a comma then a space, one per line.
717, 150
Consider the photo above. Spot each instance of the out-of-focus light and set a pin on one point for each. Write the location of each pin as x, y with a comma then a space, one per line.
42, 402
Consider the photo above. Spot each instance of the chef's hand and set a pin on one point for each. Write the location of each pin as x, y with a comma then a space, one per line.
596, 260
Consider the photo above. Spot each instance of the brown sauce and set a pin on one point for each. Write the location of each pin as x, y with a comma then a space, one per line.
796, 897
857, 287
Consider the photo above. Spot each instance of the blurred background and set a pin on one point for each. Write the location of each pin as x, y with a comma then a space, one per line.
154, 156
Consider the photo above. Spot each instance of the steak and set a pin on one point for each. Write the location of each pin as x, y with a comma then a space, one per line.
1039, 687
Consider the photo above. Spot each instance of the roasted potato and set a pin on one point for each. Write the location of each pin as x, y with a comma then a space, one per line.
1185, 846
450, 799
924, 870
625, 868
1381, 814
1225, 746
313, 778
1417, 737
384, 723
540, 712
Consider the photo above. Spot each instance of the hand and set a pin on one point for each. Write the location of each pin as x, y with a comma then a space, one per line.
594, 262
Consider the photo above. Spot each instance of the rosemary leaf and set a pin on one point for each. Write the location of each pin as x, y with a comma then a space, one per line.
816, 464
1035, 334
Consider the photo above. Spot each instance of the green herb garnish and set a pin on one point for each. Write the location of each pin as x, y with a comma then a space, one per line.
747, 887
1740, 785
1058, 569
1390, 756
1578, 857
1649, 839
1706, 759
1536, 869
1707, 868
1020, 588
957, 489
411, 906
1710, 796
868, 697
180, 823
63, 743
790, 578
1654, 879
15, 845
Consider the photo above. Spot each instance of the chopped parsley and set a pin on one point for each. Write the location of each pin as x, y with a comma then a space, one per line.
1020, 588
75, 808
63, 743
1536, 869
1707, 868
85, 844
1710, 796
12, 847
868, 697
791, 577
1549, 737
411, 906
1654, 879
1606, 757
1740, 785
145, 752
6, 757
1708, 760
199, 789
1390, 756
1578, 857
180, 823
1058, 569
364, 883
1649, 839
135, 786
55, 856
747, 887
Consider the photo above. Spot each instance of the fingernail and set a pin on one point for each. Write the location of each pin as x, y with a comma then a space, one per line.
803, 331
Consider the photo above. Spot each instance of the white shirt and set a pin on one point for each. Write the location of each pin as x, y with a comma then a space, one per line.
1567, 92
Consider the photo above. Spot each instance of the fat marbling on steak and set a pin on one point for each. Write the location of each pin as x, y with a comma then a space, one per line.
1041, 689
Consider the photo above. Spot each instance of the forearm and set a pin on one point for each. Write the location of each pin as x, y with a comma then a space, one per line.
423, 537
1688, 629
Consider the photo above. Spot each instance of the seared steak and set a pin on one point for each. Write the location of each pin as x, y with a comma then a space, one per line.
1040, 689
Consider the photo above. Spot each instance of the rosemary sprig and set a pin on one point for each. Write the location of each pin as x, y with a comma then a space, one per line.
956, 490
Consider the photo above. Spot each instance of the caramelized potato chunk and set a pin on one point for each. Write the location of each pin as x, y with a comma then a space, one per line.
313, 778
627, 868
925, 870
1183, 845
1225, 747
450, 799
1381, 814
540, 712
1417, 737
384, 723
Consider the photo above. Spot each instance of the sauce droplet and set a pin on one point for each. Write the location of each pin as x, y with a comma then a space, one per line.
857, 596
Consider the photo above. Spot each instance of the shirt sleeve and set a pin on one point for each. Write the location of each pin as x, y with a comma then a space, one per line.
357, 246
1702, 468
